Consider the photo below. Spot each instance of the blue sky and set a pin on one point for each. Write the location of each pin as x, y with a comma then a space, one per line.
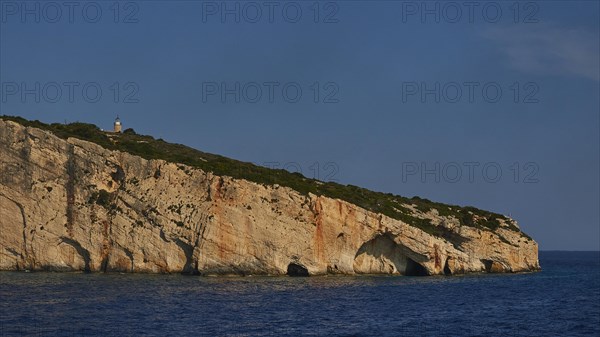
374, 68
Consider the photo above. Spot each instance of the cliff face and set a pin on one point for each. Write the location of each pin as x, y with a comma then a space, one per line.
73, 205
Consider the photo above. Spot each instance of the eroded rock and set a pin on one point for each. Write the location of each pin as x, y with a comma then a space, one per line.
73, 205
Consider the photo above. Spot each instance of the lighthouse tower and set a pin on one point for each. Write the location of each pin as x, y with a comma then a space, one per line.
117, 125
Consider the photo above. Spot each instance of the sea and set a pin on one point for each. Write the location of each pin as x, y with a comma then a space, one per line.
561, 300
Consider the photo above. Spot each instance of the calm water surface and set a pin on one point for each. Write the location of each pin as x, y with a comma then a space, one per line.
562, 300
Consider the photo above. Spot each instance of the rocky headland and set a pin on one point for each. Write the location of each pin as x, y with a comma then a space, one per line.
73, 198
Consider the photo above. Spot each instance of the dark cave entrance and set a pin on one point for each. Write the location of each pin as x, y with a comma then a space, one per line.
488, 265
414, 269
447, 270
296, 270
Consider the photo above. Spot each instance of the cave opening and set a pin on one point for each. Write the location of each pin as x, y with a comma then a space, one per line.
296, 270
414, 269
447, 270
487, 265
382, 255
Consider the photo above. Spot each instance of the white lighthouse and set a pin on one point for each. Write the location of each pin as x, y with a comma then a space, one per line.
117, 125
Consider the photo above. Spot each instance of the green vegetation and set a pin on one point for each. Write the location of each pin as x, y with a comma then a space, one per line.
102, 198
388, 204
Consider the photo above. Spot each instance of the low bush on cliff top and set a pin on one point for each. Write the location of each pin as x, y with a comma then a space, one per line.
388, 204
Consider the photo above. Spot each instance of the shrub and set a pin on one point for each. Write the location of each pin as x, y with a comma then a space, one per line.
103, 198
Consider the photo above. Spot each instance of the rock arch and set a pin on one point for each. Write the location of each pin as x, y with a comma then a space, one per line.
382, 255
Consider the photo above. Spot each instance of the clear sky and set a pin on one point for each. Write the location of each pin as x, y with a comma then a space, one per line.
489, 104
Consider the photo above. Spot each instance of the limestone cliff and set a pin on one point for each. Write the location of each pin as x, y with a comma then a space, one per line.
69, 204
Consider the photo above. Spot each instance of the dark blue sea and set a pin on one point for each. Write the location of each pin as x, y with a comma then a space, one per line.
562, 300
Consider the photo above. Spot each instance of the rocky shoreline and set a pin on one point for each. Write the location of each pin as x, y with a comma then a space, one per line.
72, 205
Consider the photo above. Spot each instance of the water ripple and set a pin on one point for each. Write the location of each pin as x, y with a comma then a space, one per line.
562, 300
